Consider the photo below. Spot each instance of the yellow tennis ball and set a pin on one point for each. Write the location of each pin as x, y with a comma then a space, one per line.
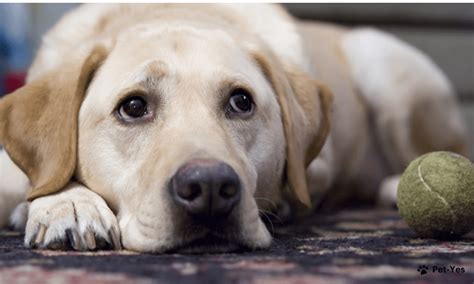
436, 195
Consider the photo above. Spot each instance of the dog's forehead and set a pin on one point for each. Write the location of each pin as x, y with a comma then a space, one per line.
182, 50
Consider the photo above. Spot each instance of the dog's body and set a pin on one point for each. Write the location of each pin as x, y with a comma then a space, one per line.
390, 104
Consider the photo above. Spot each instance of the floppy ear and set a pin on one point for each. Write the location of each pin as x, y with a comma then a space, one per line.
38, 122
305, 108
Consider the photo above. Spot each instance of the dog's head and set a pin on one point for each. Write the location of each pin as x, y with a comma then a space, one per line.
181, 131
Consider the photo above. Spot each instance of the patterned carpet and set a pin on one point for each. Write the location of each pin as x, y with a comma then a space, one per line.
361, 246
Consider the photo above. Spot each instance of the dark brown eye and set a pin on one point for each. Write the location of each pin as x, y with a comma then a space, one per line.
133, 107
240, 102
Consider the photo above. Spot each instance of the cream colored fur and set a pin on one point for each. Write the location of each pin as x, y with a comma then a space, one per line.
183, 55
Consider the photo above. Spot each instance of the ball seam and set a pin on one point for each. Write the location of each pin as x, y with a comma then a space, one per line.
443, 200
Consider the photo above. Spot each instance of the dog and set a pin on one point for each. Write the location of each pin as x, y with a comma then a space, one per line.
172, 127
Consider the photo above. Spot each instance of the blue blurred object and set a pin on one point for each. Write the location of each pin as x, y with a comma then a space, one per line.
15, 46
3, 53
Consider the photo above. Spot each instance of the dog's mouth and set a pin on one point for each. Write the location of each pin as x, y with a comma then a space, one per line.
210, 244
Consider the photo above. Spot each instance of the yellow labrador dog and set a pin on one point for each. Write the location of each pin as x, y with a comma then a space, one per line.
171, 127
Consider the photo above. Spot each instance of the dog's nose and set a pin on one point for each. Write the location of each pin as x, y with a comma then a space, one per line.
206, 188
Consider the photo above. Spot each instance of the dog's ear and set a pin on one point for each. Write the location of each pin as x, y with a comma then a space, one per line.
305, 108
38, 122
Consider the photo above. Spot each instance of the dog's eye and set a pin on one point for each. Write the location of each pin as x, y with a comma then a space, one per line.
240, 101
133, 107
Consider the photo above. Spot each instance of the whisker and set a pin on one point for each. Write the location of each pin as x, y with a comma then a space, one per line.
268, 200
269, 220
272, 214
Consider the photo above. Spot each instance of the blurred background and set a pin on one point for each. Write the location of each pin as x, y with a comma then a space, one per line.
443, 31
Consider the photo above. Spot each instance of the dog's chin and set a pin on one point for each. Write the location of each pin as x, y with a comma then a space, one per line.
209, 244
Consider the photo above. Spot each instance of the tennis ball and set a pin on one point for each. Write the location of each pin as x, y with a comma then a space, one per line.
436, 195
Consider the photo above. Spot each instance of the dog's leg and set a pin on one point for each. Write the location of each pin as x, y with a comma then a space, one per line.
320, 174
387, 197
413, 103
74, 218
19, 216
14, 185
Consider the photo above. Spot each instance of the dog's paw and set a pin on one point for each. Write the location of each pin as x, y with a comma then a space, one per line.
387, 196
75, 218
19, 216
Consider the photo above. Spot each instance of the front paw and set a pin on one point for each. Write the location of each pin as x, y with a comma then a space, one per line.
75, 218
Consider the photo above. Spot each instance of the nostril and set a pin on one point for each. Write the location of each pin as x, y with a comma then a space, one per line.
228, 191
190, 192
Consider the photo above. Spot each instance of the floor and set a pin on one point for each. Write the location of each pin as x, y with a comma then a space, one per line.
356, 246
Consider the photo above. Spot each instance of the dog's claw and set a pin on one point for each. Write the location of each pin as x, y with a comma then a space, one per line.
90, 240
39, 238
74, 239
114, 237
